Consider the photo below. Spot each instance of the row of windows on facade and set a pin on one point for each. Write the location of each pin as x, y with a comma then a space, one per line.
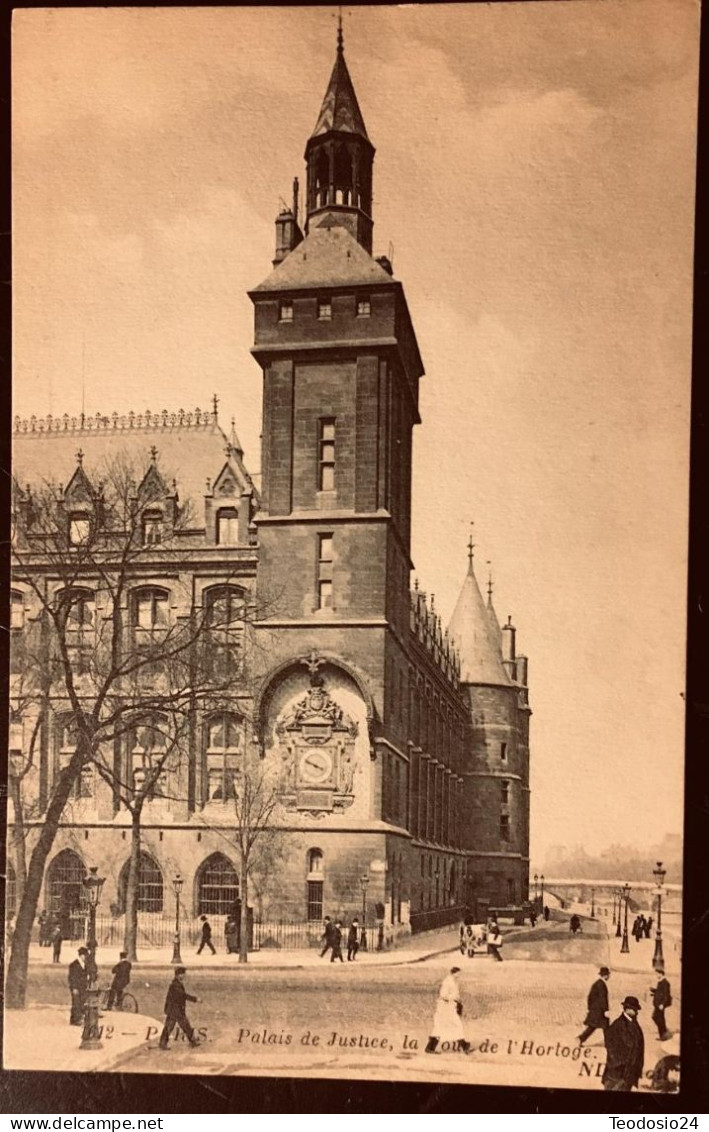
150, 610
324, 309
150, 753
154, 530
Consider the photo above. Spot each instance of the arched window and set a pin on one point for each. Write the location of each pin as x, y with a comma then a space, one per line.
224, 607
151, 746
66, 739
314, 909
150, 885
225, 744
217, 887
79, 609
150, 615
65, 890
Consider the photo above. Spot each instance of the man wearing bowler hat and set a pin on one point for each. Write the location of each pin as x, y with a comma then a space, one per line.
625, 1050
175, 1003
597, 1017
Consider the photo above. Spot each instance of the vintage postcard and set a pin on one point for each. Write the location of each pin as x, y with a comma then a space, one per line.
350, 466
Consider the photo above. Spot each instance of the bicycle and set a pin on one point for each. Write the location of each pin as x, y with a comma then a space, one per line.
127, 1002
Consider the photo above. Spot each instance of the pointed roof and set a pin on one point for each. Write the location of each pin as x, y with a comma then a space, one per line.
472, 631
340, 110
327, 257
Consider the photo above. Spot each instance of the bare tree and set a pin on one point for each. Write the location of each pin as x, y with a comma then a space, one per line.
257, 795
108, 664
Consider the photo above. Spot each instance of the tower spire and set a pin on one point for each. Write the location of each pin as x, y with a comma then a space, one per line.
340, 36
489, 582
471, 547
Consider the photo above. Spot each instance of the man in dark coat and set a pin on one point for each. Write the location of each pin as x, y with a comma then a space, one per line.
353, 940
598, 1016
328, 932
206, 940
121, 978
57, 939
336, 943
78, 978
175, 1003
625, 1050
661, 999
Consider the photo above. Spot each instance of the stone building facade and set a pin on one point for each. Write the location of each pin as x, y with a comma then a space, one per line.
401, 749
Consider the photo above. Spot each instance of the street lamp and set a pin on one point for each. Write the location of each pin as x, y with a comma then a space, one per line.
177, 883
618, 932
658, 958
614, 908
536, 878
593, 906
90, 1038
364, 881
541, 886
624, 949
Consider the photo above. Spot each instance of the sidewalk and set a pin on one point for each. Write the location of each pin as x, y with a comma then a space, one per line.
40, 1037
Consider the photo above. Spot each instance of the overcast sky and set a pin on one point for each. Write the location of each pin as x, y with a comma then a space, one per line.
535, 176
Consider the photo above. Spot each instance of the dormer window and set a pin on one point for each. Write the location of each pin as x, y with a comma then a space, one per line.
324, 310
79, 529
152, 528
285, 312
228, 527
364, 307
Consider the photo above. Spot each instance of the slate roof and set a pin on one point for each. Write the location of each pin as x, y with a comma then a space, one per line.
340, 109
327, 257
191, 448
472, 632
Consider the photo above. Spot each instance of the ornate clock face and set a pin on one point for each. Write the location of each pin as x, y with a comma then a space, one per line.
315, 765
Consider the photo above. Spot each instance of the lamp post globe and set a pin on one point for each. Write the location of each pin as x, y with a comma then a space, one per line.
659, 873
624, 948
364, 882
90, 1037
177, 883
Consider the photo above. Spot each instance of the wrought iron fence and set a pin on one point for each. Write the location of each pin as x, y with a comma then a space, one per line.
158, 931
436, 918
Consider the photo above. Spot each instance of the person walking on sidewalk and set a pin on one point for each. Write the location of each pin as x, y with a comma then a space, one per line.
661, 999
598, 1015
328, 933
336, 943
353, 940
625, 1050
175, 1010
447, 1026
78, 978
206, 940
121, 978
57, 940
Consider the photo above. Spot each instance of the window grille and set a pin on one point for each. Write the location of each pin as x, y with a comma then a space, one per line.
224, 748
315, 900
65, 888
225, 630
150, 885
217, 887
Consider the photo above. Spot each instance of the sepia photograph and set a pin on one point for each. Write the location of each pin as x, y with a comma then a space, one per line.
350, 476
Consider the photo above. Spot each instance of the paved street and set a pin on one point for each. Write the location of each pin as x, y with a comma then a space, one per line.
367, 1018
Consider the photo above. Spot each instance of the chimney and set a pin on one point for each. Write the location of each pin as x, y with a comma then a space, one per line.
288, 234
508, 649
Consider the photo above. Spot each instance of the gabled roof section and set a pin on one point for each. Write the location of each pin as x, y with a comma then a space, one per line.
327, 257
79, 488
472, 632
153, 486
340, 110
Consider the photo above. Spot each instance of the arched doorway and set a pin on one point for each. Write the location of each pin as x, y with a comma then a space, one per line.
150, 885
217, 887
65, 897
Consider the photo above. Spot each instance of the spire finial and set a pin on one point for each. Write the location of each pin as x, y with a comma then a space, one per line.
215, 406
340, 36
489, 582
80, 458
471, 547
153, 455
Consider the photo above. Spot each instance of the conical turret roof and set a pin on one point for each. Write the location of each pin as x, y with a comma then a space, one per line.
340, 110
472, 630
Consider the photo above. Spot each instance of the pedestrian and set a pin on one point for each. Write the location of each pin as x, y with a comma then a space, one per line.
532, 917
42, 921
231, 935
494, 941
637, 929
336, 944
648, 927
625, 1050
206, 940
328, 932
78, 978
661, 999
57, 939
547, 913
574, 924
353, 941
470, 931
598, 1014
121, 978
447, 1027
175, 1013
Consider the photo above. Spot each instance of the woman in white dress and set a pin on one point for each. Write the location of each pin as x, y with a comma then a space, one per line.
447, 1025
